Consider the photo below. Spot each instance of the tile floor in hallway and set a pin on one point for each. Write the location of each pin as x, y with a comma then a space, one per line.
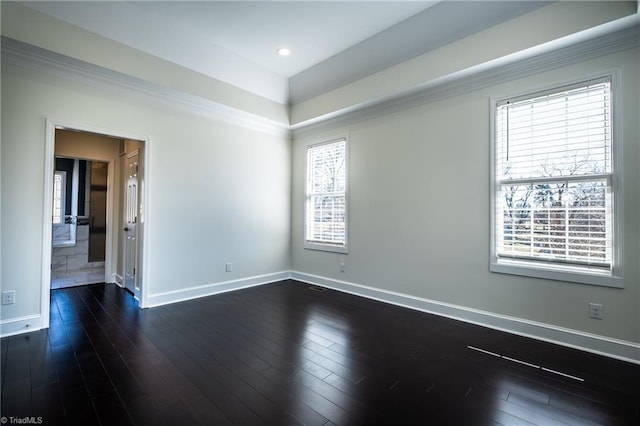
64, 279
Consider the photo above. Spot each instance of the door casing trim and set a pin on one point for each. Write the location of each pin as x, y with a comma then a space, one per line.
49, 160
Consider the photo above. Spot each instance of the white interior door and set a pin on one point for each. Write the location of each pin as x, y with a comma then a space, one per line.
131, 213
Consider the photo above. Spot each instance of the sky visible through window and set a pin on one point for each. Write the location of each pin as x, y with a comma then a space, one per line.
553, 169
326, 194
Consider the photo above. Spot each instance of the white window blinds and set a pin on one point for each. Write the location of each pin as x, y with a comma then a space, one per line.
325, 221
553, 175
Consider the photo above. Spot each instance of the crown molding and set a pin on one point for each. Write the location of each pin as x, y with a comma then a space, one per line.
31, 57
575, 49
607, 39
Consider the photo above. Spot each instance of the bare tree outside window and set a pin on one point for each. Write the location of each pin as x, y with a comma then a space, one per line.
553, 170
326, 194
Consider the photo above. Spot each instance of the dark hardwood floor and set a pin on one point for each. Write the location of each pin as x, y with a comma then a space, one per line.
288, 354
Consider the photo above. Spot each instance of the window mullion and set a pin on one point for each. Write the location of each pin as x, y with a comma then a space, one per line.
325, 216
551, 179
554, 181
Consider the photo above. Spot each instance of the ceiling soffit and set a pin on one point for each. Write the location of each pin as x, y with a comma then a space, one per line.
441, 24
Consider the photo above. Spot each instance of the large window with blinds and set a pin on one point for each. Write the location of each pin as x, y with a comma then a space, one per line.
326, 197
553, 184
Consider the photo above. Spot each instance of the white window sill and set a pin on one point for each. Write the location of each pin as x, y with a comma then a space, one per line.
326, 247
574, 275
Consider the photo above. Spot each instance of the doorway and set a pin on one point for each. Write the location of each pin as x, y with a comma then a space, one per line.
85, 205
79, 221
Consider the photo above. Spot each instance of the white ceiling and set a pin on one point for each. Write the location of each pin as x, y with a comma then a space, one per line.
332, 42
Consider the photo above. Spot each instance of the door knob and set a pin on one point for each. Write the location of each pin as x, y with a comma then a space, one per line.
125, 228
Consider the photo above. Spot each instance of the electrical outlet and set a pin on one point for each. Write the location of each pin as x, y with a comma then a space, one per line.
342, 267
8, 297
228, 267
596, 311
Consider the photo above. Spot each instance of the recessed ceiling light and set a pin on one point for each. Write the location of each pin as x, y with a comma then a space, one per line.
283, 51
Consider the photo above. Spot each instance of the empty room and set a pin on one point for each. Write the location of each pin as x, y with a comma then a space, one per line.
320, 212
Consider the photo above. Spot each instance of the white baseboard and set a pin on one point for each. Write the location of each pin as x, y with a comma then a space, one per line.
614, 348
165, 298
601, 345
117, 278
20, 325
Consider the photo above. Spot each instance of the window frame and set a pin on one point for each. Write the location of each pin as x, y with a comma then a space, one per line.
62, 200
611, 277
316, 245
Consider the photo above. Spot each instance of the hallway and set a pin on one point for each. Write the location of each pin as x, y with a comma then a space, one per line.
70, 266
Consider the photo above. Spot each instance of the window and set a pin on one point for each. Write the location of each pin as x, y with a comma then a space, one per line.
59, 185
326, 197
554, 184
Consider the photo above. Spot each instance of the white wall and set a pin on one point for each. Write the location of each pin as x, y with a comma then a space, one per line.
86, 146
217, 192
419, 209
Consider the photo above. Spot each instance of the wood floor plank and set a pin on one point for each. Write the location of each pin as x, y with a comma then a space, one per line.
289, 355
